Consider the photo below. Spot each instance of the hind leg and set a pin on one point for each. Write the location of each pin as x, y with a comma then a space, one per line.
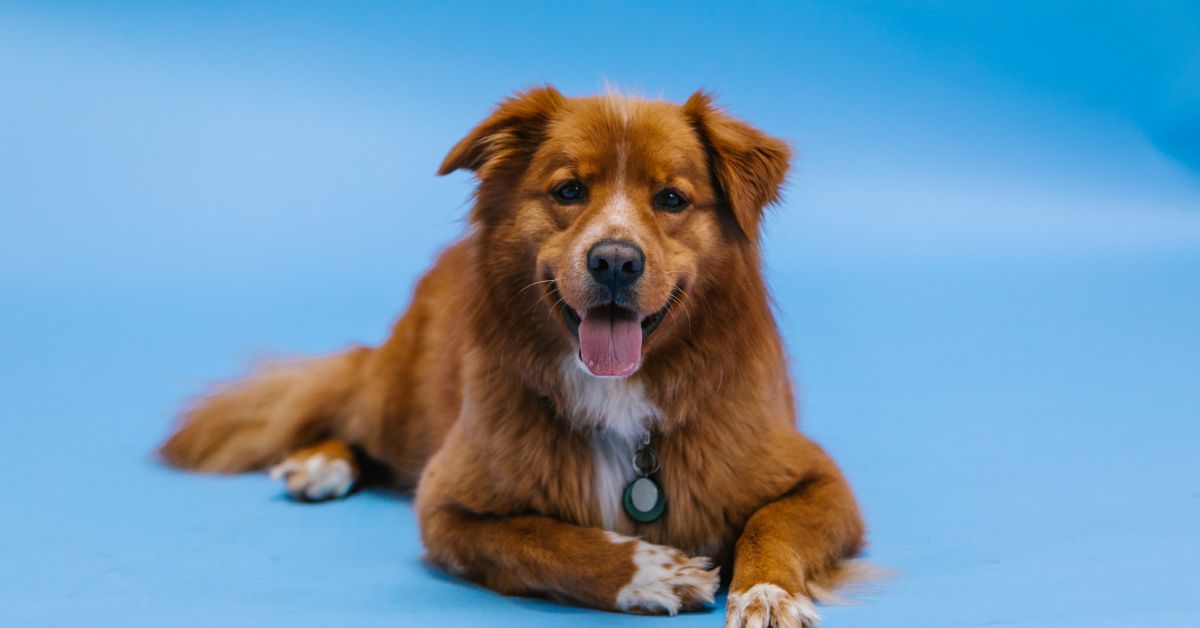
321, 472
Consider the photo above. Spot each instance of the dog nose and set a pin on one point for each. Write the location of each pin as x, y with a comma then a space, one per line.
615, 263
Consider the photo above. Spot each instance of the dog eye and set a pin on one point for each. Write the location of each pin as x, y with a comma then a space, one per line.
670, 200
570, 192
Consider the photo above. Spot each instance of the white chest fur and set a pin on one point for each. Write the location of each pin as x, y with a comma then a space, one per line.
616, 412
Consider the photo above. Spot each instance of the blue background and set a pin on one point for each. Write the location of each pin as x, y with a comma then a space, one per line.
987, 268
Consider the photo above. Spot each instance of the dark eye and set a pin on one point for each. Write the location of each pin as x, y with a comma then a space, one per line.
670, 200
570, 192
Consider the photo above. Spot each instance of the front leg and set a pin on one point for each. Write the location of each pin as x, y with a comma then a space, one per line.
792, 544
538, 555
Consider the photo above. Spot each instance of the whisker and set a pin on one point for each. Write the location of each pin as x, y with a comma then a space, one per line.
678, 299
561, 299
518, 292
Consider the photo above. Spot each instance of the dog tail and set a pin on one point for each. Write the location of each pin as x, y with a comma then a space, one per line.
254, 422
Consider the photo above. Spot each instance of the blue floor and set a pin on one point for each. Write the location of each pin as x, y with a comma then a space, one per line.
987, 271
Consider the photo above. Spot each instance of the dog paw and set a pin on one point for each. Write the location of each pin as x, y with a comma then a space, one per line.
767, 605
665, 580
315, 476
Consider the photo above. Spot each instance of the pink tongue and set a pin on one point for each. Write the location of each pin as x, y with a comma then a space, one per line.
610, 347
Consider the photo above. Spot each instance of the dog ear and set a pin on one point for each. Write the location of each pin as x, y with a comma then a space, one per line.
748, 165
515, 126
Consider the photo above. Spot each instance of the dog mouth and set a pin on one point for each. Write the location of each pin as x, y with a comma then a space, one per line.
611, 336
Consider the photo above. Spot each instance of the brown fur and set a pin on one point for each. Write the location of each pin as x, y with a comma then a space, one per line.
466, 394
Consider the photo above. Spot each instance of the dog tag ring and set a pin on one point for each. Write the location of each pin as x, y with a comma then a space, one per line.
644, 500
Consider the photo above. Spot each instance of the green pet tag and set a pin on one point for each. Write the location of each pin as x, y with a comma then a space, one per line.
644, 500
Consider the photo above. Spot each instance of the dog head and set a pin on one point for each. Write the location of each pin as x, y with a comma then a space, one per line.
600, 218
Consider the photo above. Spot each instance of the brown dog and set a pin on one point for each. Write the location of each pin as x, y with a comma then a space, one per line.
588, 390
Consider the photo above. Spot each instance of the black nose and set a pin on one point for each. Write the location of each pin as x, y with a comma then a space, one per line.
615, 263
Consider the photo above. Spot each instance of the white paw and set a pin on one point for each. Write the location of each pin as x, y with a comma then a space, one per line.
315, 477
666, 579
764, 605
